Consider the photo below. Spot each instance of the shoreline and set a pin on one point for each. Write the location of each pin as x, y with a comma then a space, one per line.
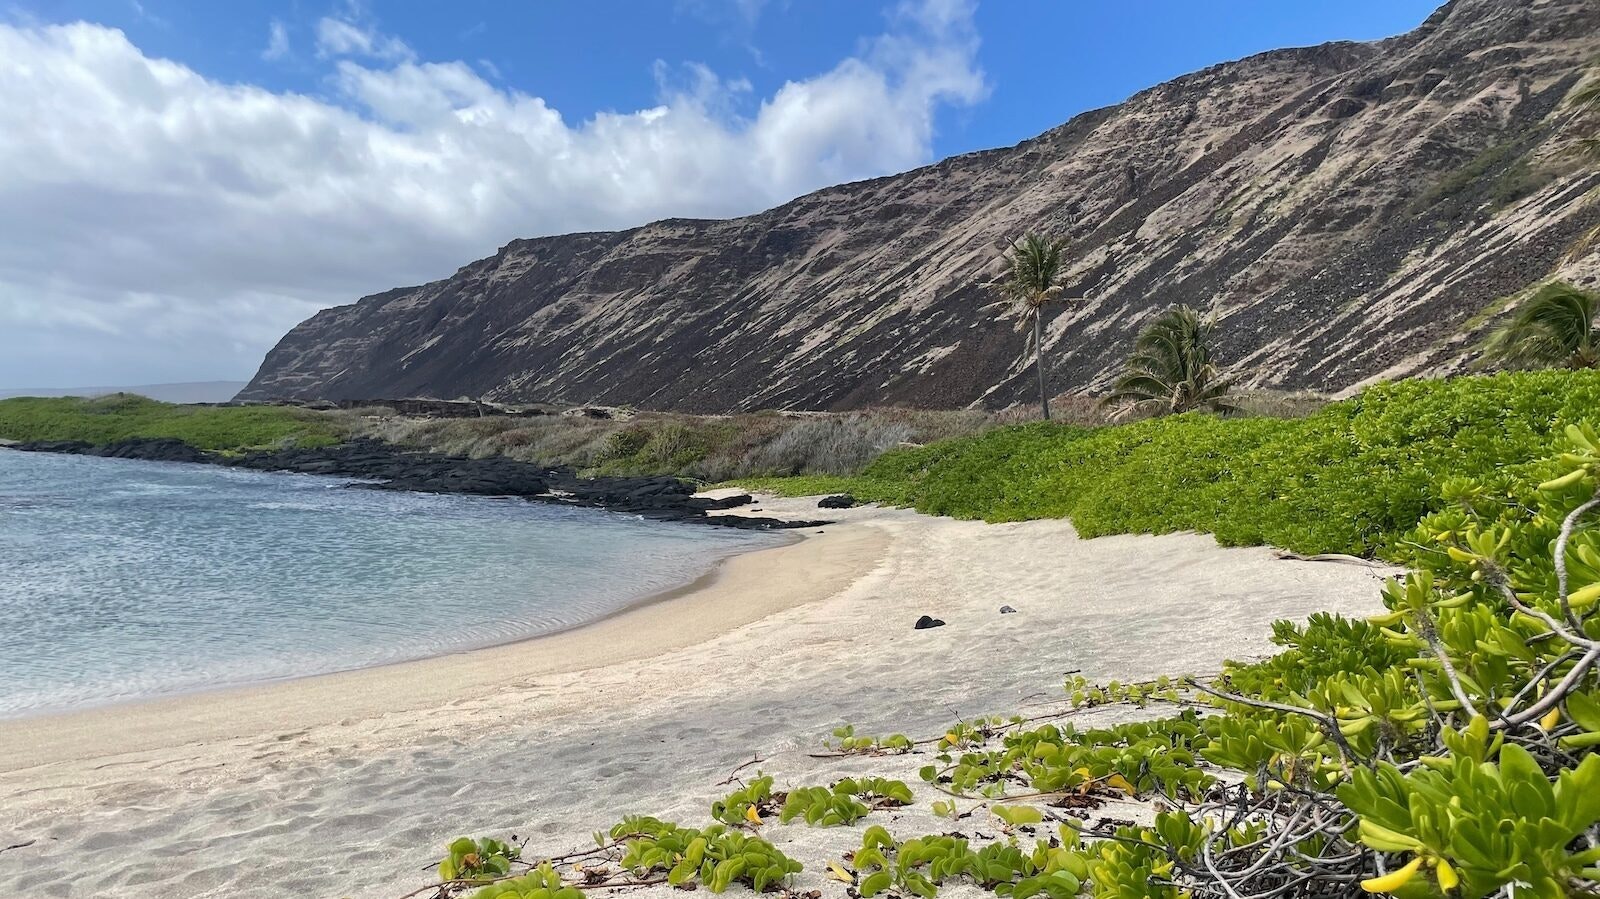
349, 784
789, 537
378, 465
735, 591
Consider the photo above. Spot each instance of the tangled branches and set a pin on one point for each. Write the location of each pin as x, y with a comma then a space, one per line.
1462, 722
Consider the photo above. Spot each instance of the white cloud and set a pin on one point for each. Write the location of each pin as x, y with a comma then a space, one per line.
277, 41
145, 15
344, 37
158, 225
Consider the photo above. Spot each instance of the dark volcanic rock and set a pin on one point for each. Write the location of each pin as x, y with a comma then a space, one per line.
757, 523
1349, 211
380, 466
149, 449
389, 468
726, 502
67, 447
837, 501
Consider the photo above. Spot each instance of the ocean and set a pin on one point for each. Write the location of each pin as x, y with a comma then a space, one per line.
123, 579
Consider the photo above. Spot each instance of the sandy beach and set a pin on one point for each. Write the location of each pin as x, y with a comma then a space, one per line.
350, 784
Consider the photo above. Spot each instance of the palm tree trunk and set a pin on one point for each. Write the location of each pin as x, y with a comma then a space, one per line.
1038, 353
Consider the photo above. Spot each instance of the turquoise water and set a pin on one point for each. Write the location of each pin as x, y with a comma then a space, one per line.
122, 579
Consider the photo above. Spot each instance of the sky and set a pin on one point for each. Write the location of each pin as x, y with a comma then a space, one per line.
182, 182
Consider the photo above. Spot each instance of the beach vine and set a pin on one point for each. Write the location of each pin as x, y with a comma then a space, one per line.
1443, 748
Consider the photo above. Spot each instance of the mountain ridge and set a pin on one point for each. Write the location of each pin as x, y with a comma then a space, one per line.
1250, 187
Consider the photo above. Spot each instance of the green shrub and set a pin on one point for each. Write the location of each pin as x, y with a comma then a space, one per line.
917, 867
1172, 497
627, 442
845, 802
541, 883
744, 804
478, 860
1353, 477
121, 416
1446, 747
1134, 758
846, 741
715, 857
821, 807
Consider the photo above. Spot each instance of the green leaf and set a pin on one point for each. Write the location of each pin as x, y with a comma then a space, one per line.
875, 884
681, 872
1581, 741
1018, 814
1584, 710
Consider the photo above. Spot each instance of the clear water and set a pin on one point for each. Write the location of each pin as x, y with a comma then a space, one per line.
122, 579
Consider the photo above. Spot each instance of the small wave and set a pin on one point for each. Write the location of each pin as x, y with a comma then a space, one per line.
24, 502
299, 507
140, 488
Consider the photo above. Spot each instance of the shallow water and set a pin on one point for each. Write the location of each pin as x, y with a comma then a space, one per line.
122, 579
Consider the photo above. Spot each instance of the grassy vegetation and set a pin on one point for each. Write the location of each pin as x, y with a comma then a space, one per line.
704, 447
1509, 172
715, 448
120, 416
1354, 477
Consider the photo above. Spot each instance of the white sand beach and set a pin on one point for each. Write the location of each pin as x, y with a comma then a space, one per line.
350, 784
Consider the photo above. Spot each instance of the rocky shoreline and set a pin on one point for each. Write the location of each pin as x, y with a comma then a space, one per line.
383, 466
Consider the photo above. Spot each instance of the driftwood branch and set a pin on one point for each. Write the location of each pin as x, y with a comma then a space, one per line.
734, 774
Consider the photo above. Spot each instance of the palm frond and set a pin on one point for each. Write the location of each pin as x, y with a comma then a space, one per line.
1587, 96
1553, 328
1586, 101
1137, 386
1170, 369
1036, 268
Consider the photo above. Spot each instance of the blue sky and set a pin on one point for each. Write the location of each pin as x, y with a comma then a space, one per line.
184, 181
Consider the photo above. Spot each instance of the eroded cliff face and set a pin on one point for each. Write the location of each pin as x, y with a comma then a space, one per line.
1350, 211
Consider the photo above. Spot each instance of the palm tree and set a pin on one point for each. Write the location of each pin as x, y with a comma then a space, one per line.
1033, 281
1554, 328
1171, 370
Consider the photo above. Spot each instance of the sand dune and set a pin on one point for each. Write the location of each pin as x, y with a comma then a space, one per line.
349, 785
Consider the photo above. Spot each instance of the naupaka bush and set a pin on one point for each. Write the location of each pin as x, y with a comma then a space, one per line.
1352, 478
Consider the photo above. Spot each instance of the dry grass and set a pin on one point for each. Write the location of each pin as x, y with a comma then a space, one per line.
717, 448
705, 447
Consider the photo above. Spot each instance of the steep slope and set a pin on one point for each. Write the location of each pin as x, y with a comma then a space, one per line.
1350, 211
